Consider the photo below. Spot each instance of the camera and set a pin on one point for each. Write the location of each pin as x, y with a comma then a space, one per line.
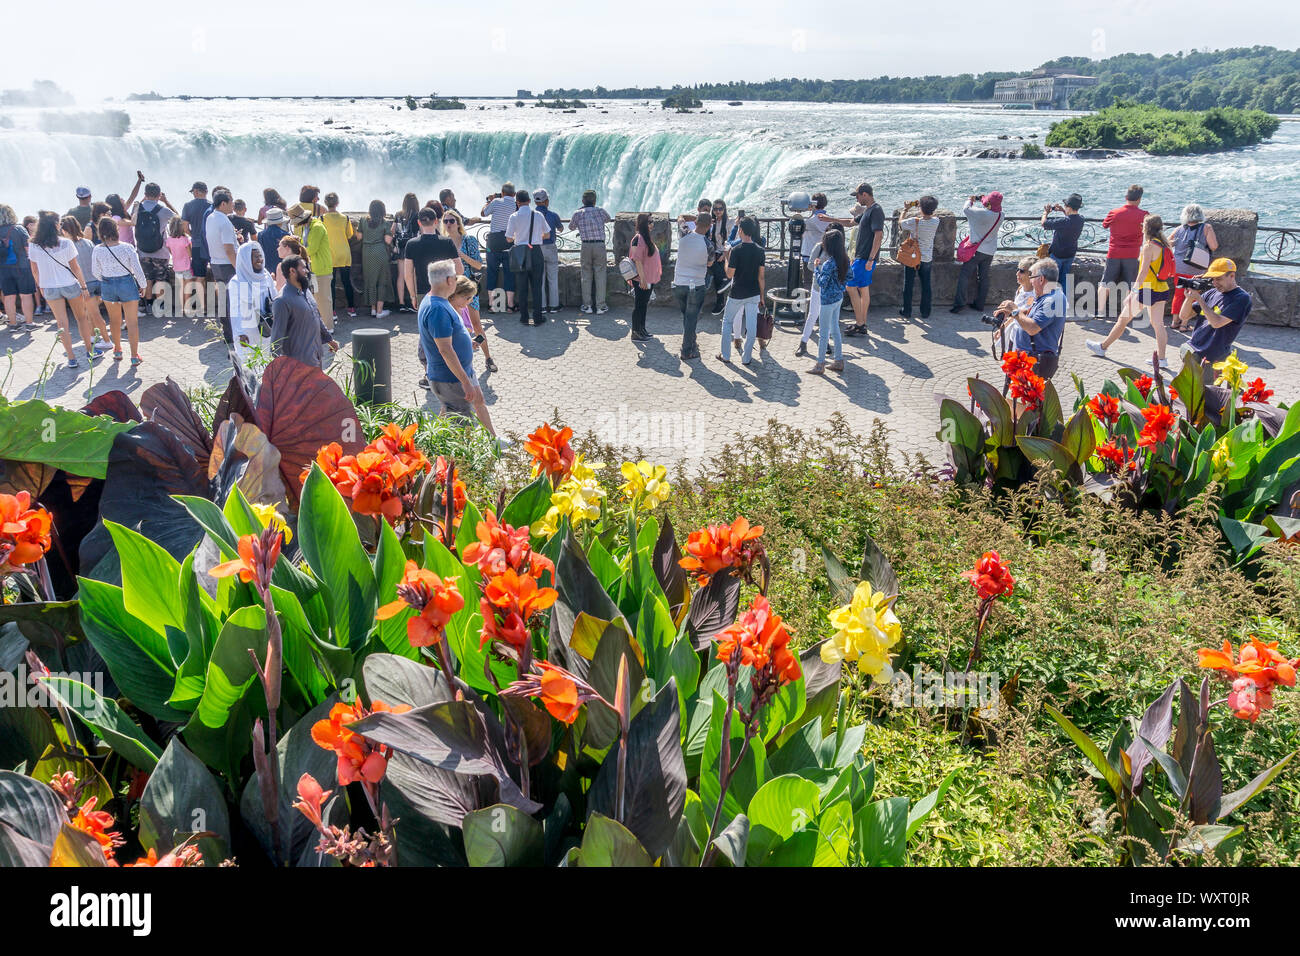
990, 320
1195, 283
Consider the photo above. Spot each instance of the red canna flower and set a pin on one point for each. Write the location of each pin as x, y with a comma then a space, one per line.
1256, 391
435, 600
1257, 668
1028, 388
95, 823
719, 547
1160, 420
991, 577
551, 451
759, 639
1017, 363
186, 856
499, 546
257, 556
509, 602
24, 532
359, 759
311, 799
1143, 384
1104, 408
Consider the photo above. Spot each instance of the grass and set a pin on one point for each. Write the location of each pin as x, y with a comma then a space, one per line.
1109, 607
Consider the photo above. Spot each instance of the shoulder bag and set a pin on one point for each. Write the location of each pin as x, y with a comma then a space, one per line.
966, 249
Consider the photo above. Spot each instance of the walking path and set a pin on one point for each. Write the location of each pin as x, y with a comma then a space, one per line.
641, 394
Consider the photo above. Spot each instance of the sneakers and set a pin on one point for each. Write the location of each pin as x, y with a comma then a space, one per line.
957, 310
102, 346
602, 310
587, 310
382, 315
352, 313
1164, 364
1095, 348
424, 384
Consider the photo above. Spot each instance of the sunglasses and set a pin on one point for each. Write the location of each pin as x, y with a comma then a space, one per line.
449, 222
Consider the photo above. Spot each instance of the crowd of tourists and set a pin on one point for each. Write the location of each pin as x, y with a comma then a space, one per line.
278, 281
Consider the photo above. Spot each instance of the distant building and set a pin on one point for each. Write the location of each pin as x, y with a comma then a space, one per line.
524, 95
1041, 89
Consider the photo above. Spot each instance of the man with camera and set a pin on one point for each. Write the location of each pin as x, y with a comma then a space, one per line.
1038, 328
499, 208
1220, 306
1065, 229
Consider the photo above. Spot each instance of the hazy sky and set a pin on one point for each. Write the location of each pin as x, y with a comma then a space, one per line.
417, 46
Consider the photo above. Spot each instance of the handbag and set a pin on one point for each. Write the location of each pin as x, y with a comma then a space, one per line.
1043, 249
909, 250
1200, 254
766, 325
966, 249
519, 254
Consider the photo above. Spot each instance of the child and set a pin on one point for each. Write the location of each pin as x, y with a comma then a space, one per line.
178, 244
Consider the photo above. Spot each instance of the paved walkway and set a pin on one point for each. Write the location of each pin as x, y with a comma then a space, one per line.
641, 393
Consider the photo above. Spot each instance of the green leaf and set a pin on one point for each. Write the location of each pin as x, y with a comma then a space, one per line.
882, 826
75, 848
530, 503
606, 842
925, 806
1080, 437
107, 719
1050, 452
1245, 537
963, 433
25, 734
989, 398
842, 585
1238, 798
748, 777
149, 580
1090, 750
219, 732
782, 807
31, 808
57, 437
329, 541
182, 798
502, 835
201, 629
137, 656
1177, 782
733, 841
390, 565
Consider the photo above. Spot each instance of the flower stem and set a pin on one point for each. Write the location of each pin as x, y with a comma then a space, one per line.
724, 761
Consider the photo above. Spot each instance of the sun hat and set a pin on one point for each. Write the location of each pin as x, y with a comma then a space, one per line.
299, 214
993, 201
83, 192
274, 216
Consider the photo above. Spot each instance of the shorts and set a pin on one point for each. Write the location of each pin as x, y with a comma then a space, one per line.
859, 275
1151, 296
157, 270
452, 397
1120, 270
61, 292
198, 266
16, 280
119, 289
92, 287
183, 273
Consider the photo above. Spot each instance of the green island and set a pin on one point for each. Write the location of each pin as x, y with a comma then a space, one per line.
1163, 132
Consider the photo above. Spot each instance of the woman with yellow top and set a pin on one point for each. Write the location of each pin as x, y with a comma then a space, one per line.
340, 232
1152, 292
308, 227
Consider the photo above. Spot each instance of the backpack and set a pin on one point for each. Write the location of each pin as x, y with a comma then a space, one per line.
148, 229
1167, 268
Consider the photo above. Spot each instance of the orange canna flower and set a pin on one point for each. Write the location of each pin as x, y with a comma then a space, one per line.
1115, 458
1144, 384
499, 546
96, 823
257, 556
719, 547
759, 639
186, 856
1017, 363
551, 451
1160, 420
24, 532
436, 601
359, 759
311, 799
1257, 668
1028, 388
559, 693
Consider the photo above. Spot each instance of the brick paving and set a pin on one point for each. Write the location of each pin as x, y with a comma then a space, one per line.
641, 394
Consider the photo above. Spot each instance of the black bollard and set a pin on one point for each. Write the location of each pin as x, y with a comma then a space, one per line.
373, 365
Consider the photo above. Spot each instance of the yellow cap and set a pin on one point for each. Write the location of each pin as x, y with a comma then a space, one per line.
1220, 267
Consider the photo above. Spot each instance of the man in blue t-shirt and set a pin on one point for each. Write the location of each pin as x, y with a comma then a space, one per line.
1221, 312
448, 349
1037, 329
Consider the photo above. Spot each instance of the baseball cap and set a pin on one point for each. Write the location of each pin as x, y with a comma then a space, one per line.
1220, 267
200, 186
541, 195
83, 192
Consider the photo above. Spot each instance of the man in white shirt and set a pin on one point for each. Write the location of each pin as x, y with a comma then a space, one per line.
689, 274
223, 248
528, 227
499, 208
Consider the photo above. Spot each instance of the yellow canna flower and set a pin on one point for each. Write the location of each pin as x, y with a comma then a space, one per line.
1231, 371
584, 470
645, 484
1220, 460
549, 524
866, 628
270, 518
580, 500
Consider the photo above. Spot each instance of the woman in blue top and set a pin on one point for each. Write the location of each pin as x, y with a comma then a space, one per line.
830, 278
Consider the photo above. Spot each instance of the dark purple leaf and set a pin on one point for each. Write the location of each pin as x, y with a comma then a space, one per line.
714, 607
1157, 724
166, 404
116, 404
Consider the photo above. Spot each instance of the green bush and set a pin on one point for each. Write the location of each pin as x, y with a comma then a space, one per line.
1163, 132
